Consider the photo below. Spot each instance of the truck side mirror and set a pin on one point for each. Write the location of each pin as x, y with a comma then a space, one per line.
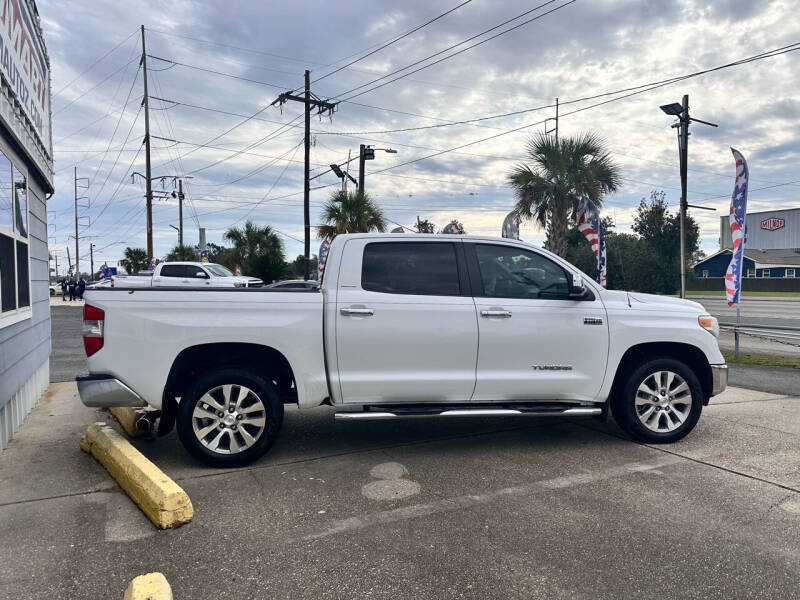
577, 288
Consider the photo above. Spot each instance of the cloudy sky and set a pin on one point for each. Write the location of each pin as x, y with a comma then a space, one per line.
221, 62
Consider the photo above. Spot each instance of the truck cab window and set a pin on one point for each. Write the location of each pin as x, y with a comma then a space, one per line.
508, 272
414, 268
173, 271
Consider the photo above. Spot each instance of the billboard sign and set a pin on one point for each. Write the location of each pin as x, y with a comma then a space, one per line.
773, 224
23, 64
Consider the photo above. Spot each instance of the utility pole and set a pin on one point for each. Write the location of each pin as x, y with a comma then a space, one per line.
361, 160
148, 181
366, 153
77, 269
682, 112
91, 261
554, 130
180, 212
309, 101
683, 150
56, 257
306, 182
69, 260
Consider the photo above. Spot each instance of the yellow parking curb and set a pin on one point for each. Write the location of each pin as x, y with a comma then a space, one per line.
153, 586
127, 417
160, 498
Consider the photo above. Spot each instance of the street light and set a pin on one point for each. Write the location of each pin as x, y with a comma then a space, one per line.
682, 112
337, 170
366, 153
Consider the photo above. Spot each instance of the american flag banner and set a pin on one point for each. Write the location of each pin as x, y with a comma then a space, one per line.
322, 258
592, 229
511, 225
733, 276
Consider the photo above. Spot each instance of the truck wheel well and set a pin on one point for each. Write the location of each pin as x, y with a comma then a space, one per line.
691, 356
263, 360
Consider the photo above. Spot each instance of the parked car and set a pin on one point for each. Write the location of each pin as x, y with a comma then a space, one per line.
294, 284
393, 332
55, 289
188, 274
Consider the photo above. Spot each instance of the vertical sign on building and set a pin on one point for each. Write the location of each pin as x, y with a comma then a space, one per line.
23, 64
733, 276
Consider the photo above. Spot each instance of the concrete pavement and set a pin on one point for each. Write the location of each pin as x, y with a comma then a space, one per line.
501, 508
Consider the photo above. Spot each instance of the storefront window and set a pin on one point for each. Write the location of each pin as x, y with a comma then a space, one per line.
20, 204
15, 297
6, 195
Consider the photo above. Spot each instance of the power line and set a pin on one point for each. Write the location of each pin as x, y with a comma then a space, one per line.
90, 67
214, 72
767, 54
95, 86
127, 137
394, 40
114, 133
240, 48
272, 187
527, 12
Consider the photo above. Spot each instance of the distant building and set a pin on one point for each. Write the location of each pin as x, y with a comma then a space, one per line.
26, 181
772, 247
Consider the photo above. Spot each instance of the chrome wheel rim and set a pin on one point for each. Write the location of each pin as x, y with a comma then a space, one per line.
663, 401
229, 419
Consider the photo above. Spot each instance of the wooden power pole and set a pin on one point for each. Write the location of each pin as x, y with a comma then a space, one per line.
309, 101
147, 173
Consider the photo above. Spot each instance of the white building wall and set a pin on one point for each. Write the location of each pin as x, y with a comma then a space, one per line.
787, 236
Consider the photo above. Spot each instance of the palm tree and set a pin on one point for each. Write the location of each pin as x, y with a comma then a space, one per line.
135, 260
257, 250
565, 171
179, 253
350, 212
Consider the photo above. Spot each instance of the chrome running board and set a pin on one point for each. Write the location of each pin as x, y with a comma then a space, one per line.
374, 415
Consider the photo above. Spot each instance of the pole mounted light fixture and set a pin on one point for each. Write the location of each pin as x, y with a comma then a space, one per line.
681, 110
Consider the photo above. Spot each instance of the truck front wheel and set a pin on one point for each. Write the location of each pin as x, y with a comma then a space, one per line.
229, 417
660, 401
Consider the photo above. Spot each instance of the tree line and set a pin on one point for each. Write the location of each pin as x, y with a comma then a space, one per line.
562, 173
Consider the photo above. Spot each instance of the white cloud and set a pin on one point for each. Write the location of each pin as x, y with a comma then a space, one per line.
583, 49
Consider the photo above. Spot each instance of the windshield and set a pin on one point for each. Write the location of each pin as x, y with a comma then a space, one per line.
218, 270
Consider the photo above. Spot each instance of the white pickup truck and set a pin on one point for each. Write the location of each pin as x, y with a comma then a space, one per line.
402, 326
187, 274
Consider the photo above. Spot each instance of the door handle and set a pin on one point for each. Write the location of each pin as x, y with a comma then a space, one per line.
496, 313
364, 312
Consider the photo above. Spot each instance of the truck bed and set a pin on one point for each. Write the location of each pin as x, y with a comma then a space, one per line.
146, 329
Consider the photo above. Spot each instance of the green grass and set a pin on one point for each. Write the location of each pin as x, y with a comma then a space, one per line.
721, 294
745, 358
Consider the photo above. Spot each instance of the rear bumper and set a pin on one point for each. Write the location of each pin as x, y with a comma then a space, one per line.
719, 379
105, 390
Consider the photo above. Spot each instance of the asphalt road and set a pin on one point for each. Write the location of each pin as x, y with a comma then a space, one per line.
492, 508
758, 311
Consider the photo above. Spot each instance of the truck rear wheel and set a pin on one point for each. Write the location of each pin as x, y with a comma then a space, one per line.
660, 402
229, 417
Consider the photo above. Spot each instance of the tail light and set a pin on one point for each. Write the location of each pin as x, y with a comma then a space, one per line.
92, 329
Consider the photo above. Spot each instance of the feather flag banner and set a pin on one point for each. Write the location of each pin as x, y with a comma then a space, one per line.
592, 229
733, 276
511, 226
322, 258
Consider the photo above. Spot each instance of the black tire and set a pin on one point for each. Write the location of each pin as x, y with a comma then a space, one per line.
626, 413
52, 292
227, 454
